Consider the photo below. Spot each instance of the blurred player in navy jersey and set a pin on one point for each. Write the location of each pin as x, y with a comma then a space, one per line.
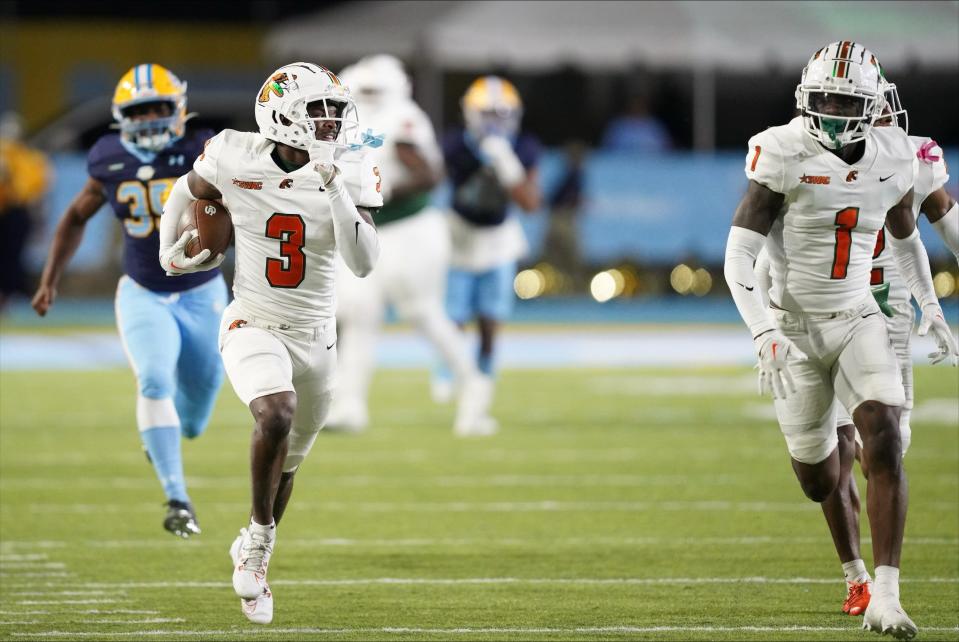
168, 325
491, 165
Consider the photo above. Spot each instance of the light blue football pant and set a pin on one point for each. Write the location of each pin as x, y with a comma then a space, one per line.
171, 343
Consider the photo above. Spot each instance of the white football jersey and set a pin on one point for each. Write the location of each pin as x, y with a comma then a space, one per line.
282, 224
401, 122
821, 245
929, 178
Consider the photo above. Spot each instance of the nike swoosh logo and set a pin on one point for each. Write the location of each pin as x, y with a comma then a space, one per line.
883, 180
330, 347
748, 289
357, 229
866, 316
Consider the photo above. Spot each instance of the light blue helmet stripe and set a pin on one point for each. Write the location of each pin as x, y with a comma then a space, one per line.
149, 75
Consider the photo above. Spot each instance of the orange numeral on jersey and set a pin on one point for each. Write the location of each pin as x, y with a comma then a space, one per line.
875, 277
291, 232
752, 168
379, 181
846, 220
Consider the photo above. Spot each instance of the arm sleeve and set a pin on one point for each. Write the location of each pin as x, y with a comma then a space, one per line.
742, 247
176, 203
910, 255
764, 162
948, 228
763, 276
355, 238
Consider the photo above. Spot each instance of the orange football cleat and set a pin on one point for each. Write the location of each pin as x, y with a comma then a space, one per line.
858, 598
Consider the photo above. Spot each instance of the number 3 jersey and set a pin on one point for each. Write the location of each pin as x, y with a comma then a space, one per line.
930, 176
282, 224
822, 243
137, 184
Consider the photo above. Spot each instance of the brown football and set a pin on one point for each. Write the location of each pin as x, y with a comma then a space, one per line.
213, 223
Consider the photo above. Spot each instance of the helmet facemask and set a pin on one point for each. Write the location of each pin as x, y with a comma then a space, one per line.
893, 113
150, 134
494, 121
836, 128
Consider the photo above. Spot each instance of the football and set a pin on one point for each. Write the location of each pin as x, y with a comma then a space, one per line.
213, 223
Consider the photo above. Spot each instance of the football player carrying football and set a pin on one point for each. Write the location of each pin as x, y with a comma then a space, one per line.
821, 188
930, 198
287, 189
168, 326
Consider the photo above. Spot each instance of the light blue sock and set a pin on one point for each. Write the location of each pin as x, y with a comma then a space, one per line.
163, 444
485, 364
442, 373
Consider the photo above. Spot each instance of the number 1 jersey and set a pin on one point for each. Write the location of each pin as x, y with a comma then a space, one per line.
822, 243
283, 225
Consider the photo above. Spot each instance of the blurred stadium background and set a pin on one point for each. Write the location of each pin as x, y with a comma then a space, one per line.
642, 231
629, 240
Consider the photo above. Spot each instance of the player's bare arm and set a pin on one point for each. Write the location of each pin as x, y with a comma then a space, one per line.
758, 208
899, 219
937, 205
526, 193
201, 188
421, 175
66, 240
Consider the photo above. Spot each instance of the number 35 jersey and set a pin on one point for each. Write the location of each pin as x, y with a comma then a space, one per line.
821, 245
283, 225
137, 187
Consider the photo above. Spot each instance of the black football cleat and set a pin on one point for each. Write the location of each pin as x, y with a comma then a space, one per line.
181, 519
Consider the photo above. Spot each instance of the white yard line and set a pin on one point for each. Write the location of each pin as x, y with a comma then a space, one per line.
585, 630
429, 581
91, 601
536, 506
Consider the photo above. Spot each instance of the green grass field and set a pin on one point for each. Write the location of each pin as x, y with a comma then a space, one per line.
615, 504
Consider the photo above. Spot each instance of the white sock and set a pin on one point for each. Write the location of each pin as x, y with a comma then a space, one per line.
269, 531
887, 581
855, 571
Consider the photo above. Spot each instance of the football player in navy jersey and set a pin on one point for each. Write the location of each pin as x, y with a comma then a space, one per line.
168, 325
491, 165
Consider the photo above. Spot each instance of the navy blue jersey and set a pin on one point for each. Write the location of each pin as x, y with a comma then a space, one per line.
137, 186
477, 196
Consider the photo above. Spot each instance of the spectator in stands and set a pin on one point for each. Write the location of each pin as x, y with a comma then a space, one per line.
637, 130
24, 177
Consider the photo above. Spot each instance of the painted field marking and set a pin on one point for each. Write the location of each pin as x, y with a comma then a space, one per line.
585, 630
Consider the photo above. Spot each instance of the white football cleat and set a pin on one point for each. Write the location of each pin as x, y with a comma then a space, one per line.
472, 412
347, 415
885, 616
441, 390
250, 563
260, 609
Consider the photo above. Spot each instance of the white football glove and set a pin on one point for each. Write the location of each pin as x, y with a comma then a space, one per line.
176, 262
321, 155
775, 351
933, 319
499, 152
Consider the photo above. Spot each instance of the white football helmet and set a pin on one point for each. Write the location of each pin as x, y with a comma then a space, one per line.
376, 82
842, 72
281, 106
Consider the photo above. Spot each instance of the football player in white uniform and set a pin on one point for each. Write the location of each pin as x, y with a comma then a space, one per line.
286, 189
414, 257
930, 198
821, 188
